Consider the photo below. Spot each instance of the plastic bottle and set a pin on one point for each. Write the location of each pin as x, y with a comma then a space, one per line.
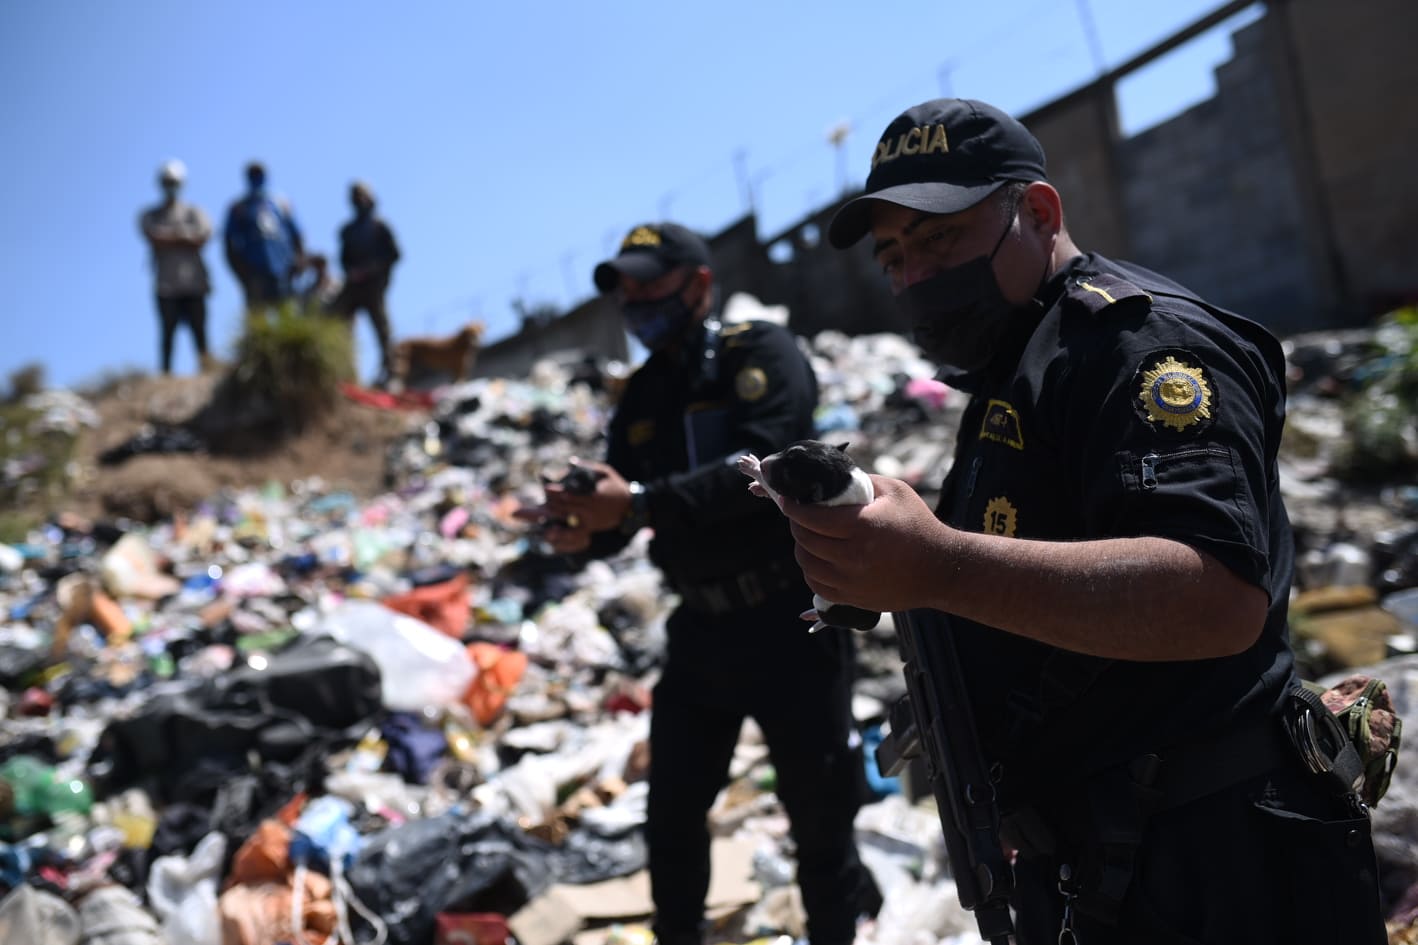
66, 794
29, 778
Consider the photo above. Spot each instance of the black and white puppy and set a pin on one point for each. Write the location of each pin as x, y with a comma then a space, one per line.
815, 473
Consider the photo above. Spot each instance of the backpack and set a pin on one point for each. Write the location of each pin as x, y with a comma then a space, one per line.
1364, 710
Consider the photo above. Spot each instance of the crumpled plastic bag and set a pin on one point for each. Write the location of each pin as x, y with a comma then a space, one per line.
182, 890
112, 915
418, 665
35, 917
130, 569
261, 914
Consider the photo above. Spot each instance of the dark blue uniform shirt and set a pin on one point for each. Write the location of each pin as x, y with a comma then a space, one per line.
683, 418
1133, 408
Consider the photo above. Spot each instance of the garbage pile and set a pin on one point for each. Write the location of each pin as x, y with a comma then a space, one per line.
293, 714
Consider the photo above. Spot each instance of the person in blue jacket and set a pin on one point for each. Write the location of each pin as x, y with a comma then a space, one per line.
264, 246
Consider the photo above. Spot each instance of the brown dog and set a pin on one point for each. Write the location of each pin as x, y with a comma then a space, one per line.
424, 362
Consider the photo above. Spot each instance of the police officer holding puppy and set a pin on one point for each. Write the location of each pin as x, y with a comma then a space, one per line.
1111, 556
736, 647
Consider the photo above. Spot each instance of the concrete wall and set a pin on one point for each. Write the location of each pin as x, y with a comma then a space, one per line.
1079, 135
593, 327
1288, 196
1212, 199
829, 288
1355, 79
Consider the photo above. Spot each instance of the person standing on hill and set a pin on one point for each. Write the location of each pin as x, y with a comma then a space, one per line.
368, 253
264, 246
177, 231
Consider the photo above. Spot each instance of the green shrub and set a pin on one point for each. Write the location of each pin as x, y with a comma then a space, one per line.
1382, 411
289, 365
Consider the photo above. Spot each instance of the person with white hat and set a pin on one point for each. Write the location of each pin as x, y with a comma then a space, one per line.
177, 231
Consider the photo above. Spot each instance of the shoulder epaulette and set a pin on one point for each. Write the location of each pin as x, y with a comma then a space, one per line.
736, 334
1099, 291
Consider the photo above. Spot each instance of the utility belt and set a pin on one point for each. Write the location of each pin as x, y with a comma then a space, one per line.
1117, 804
741, 591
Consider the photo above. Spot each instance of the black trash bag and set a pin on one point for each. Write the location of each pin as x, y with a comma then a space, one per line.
321, 679
586, 857
139, 748
180, 827
39, 744
184, 745
161, 439
18, 663
457, 862
171, 742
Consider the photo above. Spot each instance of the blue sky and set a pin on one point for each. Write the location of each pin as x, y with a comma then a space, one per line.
510, 145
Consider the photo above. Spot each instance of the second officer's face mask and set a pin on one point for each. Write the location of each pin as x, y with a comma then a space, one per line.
658, 323
958, 316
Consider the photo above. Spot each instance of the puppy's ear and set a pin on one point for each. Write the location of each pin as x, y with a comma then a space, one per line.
842, 447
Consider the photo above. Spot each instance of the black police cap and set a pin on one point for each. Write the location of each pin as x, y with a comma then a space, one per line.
649, 251
941, 156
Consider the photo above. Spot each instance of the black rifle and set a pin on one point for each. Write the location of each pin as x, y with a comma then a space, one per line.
934, 719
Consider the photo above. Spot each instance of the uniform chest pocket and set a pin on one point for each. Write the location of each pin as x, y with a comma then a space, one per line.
1201, 484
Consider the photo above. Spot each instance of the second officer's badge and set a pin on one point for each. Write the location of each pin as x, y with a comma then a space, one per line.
1174, 391
750, 383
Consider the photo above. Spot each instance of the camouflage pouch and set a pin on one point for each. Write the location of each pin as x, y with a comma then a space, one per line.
1362, 706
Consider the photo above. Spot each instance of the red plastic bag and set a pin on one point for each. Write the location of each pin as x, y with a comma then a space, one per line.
444, 606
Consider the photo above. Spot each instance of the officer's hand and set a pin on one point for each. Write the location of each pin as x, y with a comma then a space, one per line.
532, 514
879, 556
601, 510
565, 540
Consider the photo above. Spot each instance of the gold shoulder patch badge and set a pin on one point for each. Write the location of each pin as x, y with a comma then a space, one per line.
1001, 424
640, 432
750, 383
1001, 517
1175, 391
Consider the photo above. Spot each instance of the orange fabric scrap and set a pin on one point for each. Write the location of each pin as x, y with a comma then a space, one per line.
499, 672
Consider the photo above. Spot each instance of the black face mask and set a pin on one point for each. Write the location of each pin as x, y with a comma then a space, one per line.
662, 322
959, 316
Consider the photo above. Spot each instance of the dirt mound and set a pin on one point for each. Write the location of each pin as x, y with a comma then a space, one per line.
346, 447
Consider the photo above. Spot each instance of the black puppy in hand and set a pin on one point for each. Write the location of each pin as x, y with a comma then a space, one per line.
815, 473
